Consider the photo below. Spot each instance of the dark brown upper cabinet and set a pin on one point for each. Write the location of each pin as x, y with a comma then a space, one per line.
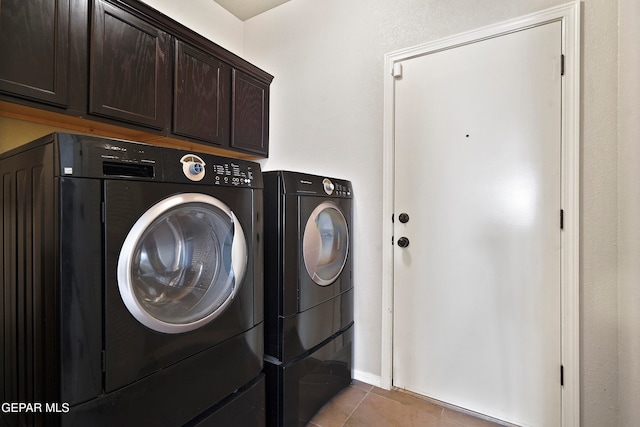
201, 98
123, 63
129, 68
249, 114
34, 49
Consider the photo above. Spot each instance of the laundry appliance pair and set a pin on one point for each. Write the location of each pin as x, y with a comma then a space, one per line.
308, 293
131, 287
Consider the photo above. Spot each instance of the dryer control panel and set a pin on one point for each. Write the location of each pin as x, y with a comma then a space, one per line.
305, 184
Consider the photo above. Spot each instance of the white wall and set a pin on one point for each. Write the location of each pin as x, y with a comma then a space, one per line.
326, 118
205, 17
629, 212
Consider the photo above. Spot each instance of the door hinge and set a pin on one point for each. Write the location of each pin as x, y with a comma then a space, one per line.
396, 71
561, 219
561, 375
562, 65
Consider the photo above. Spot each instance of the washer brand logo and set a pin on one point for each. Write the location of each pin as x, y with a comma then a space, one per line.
115, 148
302, 181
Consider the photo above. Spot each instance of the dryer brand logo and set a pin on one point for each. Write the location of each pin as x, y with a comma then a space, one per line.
193, 167
33, 407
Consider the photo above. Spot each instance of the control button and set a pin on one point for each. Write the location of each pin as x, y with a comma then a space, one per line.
196, 168
193, 167
328, 186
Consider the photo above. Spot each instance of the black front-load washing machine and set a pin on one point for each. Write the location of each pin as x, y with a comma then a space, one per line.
132, 285
308, 293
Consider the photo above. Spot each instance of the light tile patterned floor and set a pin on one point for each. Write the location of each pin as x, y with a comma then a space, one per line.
362, 404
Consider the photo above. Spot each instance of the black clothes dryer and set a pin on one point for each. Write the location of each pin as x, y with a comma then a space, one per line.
132, 285
308, 293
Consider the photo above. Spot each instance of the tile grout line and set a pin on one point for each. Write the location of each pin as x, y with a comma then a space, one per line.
357, 406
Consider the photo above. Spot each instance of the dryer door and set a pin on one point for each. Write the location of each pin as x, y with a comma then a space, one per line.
182, 263
326, 243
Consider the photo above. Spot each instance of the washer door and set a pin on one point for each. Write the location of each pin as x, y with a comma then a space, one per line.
182, 263
326, 243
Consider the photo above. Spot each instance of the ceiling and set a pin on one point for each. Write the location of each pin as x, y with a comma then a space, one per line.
245, 9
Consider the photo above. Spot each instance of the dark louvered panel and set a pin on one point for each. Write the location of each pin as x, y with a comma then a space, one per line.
8, 353
28, 355
22, 261
37, 297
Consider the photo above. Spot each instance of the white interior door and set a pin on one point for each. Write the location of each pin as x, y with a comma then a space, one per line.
477, 303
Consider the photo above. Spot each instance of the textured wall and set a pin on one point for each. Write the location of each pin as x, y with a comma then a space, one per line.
205, 17
326, 117
599, 317
629, 205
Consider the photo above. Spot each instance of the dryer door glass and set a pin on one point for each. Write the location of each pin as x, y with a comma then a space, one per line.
182, 263
326, 243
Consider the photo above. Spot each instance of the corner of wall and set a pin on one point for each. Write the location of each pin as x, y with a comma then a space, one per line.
628, 213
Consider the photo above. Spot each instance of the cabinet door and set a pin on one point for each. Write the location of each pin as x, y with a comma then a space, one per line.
250, 114
202, 103
129, 68
34, 48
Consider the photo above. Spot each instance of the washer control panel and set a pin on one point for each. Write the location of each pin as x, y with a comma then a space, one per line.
232, 172
211, 169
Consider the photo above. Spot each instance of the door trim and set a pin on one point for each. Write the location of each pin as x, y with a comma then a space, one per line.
569, 15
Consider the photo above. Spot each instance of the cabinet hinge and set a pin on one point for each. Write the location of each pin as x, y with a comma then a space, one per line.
562, 65
561, 375
561, 219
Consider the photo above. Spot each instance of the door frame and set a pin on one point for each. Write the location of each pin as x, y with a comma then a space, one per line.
569, 15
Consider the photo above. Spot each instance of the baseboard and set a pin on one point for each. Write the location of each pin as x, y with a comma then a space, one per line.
368, 378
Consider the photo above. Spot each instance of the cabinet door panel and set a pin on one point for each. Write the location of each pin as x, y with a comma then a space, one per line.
202, 103
129, 68
250, 114
34, 46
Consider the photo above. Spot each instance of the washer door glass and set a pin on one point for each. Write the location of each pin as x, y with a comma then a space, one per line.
182, 263
326, 243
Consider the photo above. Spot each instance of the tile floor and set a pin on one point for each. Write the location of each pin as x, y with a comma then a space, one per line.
362, 404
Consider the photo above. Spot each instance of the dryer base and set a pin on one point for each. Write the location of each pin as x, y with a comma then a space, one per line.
297, 390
